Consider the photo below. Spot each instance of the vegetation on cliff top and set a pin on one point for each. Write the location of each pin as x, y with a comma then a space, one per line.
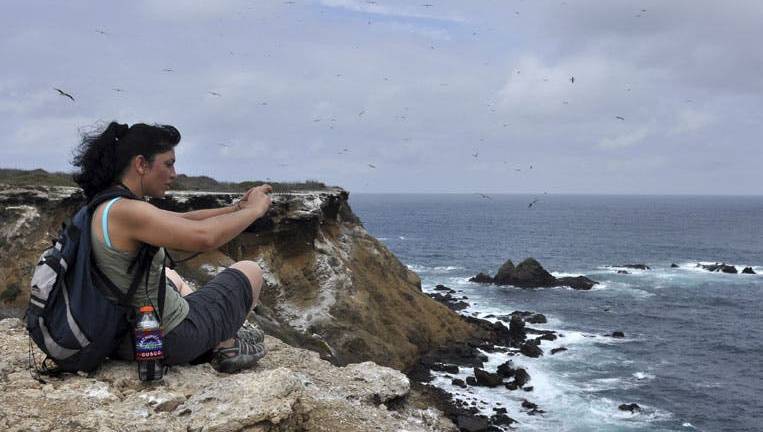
183, 182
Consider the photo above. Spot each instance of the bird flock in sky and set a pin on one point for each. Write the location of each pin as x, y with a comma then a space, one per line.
402, 116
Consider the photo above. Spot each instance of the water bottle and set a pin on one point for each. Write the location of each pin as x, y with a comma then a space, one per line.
149, 350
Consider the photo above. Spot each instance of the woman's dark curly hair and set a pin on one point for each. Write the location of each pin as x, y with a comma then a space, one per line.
102, 157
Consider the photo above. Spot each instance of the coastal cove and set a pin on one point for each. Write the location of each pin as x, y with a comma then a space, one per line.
692, 346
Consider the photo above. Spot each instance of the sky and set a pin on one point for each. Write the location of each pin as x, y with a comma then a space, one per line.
400, 96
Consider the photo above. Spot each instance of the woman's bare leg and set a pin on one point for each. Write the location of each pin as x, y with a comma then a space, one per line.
183, 288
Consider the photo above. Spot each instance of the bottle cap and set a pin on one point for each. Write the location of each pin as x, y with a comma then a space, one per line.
144, 309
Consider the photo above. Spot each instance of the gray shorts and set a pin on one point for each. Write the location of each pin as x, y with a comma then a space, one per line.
215, 313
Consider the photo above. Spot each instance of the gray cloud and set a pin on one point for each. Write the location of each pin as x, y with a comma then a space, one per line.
413, 90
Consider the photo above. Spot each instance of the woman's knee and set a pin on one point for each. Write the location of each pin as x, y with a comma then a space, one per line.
253, 272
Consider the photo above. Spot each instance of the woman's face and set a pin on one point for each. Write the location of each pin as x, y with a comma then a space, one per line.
160, 174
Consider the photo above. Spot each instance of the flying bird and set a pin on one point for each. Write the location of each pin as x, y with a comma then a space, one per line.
572, 79
215, 94
483, 195
63, 93
533, 202
619, 117
168, 70
371, 165
474, 155
360, 114
118, 90
99, 31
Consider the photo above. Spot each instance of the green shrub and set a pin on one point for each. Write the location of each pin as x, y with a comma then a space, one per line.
10, 293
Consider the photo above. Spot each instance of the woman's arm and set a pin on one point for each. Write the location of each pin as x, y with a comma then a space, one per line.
143, 222
198, 215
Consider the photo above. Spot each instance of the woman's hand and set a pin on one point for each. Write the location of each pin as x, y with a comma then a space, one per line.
257, 197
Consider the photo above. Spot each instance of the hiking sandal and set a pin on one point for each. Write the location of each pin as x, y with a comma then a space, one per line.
251, 332
242, 355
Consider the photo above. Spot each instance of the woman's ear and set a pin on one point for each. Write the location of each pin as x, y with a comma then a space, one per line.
141, 164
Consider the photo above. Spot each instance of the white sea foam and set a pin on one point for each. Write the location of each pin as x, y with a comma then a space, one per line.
433, 270
643, 376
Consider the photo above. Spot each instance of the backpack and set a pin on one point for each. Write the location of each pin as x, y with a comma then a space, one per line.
70, 317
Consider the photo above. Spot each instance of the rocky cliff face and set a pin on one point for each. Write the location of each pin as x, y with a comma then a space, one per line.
290, 390
330, 286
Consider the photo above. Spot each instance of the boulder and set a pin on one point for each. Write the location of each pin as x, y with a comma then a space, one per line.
531, 349
487, 379
482, 278
632, 407
443, 288
618, 334
557, 350
719, 268
748, 270
634, 266
578, 282
517, 331
458, 382
472, 423
623, 272
443, 367
521, 377
501, 419
673, 265
505, 369
504, 273
537, 319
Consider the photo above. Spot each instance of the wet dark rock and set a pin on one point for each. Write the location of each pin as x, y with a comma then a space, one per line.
443, 367
623, 272
674, 265
528, 405
472, 423
547, 337
501, 419
451, 302
618, 334
556, 350
529, 274
719, 268
528, 388
521, 377
531, 349
471, 381
632, 407
481, 278
537, 319
458, 383
635, 266
579, 282
443, 288
487, 379
505, 369
748, 270
504, 273
517, 331
500, 410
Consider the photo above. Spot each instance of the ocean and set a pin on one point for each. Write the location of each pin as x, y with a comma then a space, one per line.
693, 347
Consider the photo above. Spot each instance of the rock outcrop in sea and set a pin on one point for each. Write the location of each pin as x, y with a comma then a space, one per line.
530, 274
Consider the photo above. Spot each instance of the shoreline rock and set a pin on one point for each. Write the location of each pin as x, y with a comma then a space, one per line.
290, 389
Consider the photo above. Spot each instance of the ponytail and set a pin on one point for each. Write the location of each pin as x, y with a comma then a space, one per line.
103, 157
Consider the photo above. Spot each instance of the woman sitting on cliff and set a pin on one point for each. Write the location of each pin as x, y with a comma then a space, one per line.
141, 159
